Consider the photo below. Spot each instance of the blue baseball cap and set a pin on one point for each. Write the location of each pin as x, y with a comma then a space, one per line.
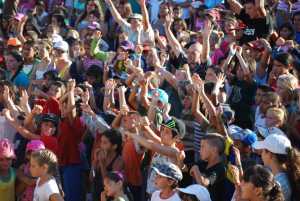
162, 95
247, 136
168, 170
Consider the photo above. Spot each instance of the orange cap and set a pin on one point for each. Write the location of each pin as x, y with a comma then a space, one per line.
14, 42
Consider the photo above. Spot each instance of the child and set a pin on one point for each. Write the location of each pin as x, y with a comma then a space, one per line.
43, 164
194, 192
7, 173
283, 160
259, 184
114, 187
167, 177
211, 170
24, 173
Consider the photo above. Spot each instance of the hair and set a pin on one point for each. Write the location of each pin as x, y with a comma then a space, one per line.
265, 88
280, 113
292, 163
115, 138
190, 196
288, 82
46, 157
19, 58
216, 140
290, 28
284, 58
95, 71
117, 177
60, 85
272, 97
294, 15
262, 178
249, 1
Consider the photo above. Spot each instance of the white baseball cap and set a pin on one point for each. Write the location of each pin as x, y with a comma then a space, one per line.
277, 144
61, 45
264, 131
198, 190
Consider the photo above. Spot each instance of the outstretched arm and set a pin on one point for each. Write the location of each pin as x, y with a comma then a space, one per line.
145, 13
235, 6
173, 42
119, 19
21, 130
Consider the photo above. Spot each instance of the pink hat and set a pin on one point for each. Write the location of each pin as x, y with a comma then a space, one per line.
6, 149
35, 145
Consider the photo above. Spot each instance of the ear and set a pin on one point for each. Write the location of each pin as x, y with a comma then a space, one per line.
258, 191
45, 168
115, 147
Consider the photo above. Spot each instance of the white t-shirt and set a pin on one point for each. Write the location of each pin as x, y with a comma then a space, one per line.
156, 197
43, 192
147, 36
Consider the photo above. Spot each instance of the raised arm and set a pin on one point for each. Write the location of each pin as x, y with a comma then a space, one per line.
206, 35
145, 14
119, 19
243, 64
235, 6
173, 42
149, 144
21, 130
200, 118
260, 6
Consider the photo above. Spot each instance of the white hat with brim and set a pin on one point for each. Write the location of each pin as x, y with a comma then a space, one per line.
277, 144
61, 45
197, 190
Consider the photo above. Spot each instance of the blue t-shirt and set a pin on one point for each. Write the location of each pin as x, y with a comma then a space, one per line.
21, 80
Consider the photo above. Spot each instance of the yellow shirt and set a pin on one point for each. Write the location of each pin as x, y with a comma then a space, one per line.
7, 186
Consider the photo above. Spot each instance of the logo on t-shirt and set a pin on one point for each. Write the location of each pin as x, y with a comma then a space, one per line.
249, 32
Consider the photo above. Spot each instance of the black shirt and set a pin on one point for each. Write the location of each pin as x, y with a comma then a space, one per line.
255, 28
241, 100
217, 177
200, 69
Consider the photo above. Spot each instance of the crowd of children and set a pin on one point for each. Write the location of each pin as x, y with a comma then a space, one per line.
149, 100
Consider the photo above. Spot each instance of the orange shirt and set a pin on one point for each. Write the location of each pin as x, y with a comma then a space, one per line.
132, 161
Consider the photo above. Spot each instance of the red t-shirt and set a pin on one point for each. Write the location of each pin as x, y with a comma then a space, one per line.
49, 106
50, 143
69, 138
132, 161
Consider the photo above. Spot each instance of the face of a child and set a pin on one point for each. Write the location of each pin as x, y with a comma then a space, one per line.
166, 136
105, 143
111, 187
205, 150
47, 128
35, 169
5, 163
55, 91
272, 120
247, 190
161, 182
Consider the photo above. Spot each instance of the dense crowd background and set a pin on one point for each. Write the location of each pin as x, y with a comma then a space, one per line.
161, 100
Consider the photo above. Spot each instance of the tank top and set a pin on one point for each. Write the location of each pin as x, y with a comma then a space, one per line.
7, 186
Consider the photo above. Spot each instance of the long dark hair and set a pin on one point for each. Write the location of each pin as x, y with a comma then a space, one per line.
115, 138
117, 177
19, 58
292, 163
261, 177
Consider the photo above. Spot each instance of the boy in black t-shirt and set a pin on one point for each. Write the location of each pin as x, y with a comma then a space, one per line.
254, 16
210, 171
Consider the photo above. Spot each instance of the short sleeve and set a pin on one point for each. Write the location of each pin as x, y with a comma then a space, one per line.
52, 188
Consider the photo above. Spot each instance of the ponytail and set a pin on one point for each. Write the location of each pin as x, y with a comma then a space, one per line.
275, 193
293, 170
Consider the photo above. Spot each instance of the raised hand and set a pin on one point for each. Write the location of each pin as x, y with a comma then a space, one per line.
220, 80
6, 94
71, 84
37, 109
169, 19
207, 29
122, 89
24, 97
7, 114
239, 50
